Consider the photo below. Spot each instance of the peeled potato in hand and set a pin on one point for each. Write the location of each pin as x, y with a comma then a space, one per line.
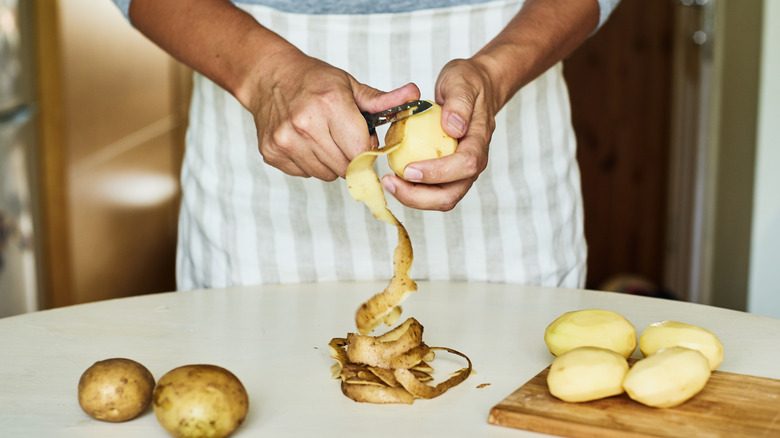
668, 377
665, 334
421, 137
591, 328
587, 373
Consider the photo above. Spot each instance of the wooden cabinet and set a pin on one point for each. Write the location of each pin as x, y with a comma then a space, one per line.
113, 113
620, 81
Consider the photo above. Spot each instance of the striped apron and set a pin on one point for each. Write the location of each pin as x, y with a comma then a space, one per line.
243, 222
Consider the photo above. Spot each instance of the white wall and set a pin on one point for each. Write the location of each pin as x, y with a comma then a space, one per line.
764, 282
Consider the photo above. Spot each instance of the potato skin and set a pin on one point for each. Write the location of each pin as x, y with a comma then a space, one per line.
200, 401
115, 390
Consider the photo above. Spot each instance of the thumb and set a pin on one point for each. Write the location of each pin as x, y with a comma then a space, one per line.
373, 100
457, 101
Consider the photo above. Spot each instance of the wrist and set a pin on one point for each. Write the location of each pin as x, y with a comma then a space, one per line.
507, 69
263, 65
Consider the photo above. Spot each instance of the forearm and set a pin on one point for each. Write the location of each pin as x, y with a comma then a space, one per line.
541, 34
214, 37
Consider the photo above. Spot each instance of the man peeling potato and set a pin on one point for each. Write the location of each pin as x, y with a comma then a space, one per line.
276, 118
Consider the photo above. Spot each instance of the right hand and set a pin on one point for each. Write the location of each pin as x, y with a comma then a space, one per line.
307, 115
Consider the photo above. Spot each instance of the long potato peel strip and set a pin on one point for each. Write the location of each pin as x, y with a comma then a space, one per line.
364, 186
392, 367
418, 388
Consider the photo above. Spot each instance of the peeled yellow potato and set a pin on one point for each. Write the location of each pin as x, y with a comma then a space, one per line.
587, 373
591, 328
421, 137
200, 401
668, 377
665, 334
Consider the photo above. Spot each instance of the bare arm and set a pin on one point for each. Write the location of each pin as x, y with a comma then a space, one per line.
472, 91
307, 111
543, 33
213, 37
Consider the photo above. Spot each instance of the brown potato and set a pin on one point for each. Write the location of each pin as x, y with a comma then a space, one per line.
115, 389
200, 401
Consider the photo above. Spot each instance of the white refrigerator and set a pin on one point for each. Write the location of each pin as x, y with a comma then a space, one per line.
19, 268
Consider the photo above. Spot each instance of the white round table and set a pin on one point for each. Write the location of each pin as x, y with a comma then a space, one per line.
274, 338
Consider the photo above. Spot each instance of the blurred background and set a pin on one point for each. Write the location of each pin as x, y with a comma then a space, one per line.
676, 105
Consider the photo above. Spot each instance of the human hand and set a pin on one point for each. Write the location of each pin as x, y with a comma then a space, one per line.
308, 115
469, 106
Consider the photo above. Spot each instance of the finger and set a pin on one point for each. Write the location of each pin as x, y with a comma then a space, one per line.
439, 197
319, 170
307, 163
323, 139
457, 98
351, 136
287, 166
348, 133
320, 157
330, 155
465, 163
294, 150
373, 100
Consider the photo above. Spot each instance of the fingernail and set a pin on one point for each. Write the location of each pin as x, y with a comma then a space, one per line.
412, 174
456, 124
390, 187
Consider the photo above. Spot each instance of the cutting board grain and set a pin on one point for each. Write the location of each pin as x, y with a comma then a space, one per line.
731, 405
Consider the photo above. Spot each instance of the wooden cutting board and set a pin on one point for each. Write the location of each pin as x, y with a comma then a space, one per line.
731, 405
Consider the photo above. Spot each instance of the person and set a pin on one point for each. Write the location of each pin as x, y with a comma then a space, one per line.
275, 118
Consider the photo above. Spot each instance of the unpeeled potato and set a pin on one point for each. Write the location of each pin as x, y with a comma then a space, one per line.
200, 401
587, 373
665, 334
421, 137
115, 390
591, 328
668, 377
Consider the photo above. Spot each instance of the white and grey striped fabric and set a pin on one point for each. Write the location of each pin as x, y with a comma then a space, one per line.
369, 6
243, 222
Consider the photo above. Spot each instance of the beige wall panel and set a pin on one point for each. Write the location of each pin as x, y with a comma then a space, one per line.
119, 141
116, 81
124, 223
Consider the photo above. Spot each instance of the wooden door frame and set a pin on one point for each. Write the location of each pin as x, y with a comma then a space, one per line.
686, 265
57, 286
712, 156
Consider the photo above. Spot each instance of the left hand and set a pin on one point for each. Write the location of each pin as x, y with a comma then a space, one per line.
466, 94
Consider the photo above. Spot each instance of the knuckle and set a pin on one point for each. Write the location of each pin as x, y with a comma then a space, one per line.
272, 158
278, 136
283, 141
301, 121
473, 165
466, 98
448, 203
